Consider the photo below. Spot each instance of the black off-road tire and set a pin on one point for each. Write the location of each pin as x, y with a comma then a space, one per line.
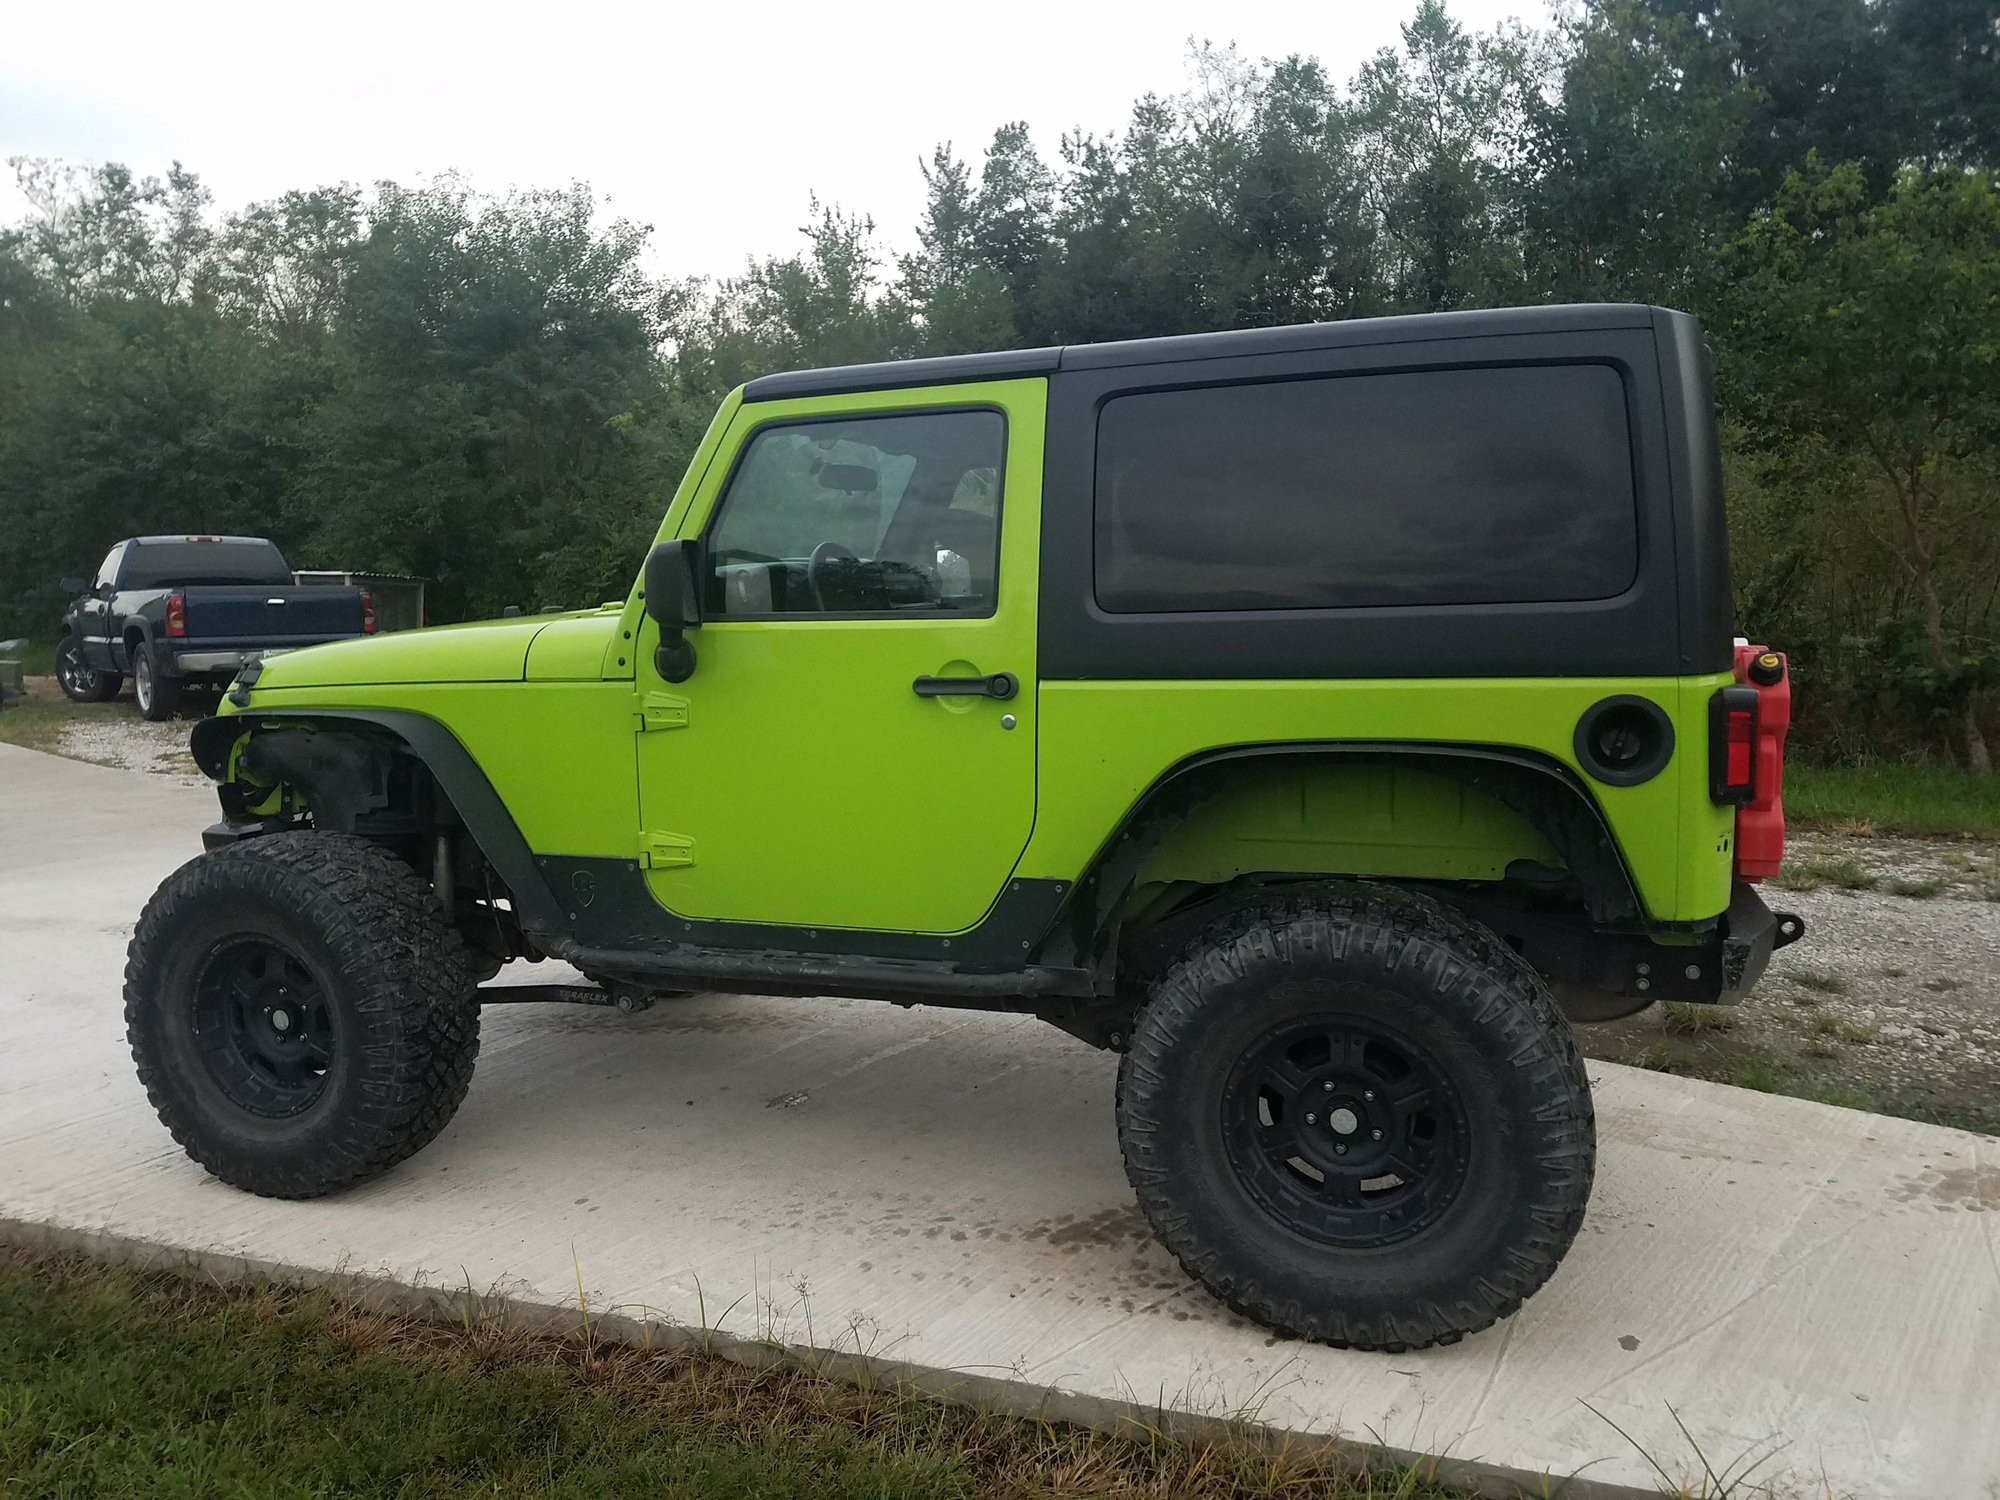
1440, 996
82, 684
157, 693
392, 1007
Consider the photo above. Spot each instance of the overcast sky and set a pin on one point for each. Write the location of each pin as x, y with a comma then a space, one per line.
711, 122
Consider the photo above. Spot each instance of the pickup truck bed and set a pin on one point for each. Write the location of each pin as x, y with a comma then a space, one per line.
224, 624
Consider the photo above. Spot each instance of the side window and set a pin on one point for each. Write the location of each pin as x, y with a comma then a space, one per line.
865, 515
107, 572
1471, 486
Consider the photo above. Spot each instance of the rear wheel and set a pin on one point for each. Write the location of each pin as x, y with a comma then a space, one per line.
1356, 1117
156, 693
80, 683
300, 1012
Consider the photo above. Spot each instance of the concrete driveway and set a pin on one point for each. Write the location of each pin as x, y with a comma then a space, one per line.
1810, 1287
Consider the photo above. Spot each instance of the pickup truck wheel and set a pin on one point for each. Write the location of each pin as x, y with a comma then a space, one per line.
156, 693
300, 1012
1357, 1117
82, 684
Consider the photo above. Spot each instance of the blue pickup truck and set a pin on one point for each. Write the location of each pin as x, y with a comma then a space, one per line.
175, 611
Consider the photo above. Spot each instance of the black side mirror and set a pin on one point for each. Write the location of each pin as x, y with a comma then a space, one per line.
74, 586
673, 598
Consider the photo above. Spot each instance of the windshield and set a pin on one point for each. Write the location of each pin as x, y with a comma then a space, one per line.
152, 565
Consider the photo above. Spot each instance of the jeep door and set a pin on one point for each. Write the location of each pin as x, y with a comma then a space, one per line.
856, 745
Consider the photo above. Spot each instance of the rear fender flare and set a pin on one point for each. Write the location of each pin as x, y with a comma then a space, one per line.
457, 774
1546, 793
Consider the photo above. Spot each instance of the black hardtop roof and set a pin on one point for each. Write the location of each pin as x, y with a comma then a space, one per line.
953, 369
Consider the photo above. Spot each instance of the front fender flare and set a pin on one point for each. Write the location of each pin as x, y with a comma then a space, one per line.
457, 774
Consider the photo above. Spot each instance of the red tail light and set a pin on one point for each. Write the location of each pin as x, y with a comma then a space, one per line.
367, 613
177, 615
1732, 745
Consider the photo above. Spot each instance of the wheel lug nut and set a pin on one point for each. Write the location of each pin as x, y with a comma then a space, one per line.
1340, 1151
1375, 1134
1312, 1119
1328, 1085
1369, 1095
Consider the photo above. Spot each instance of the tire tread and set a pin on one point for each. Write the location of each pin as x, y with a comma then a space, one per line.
1456, 957
391, 941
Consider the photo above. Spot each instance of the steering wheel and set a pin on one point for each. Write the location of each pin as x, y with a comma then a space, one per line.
823, 554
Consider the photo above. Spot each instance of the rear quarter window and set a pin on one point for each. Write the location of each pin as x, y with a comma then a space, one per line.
1436, 487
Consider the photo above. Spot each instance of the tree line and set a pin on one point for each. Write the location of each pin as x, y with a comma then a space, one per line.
493, 392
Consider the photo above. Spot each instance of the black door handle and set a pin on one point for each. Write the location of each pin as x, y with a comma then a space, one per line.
1001, 685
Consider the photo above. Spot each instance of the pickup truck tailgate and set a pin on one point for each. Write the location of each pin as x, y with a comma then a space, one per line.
270, 615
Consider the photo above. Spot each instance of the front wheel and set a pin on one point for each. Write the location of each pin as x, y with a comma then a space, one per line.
300, 1012
1357, 1117
157, 694
80, 683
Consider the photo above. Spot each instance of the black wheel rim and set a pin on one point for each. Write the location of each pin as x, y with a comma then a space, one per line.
76, 679
1345, 1132
262, 1027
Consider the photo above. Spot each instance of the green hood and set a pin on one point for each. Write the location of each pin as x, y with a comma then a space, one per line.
484, 651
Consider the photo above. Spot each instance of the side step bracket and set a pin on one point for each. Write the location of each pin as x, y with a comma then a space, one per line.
629, 1001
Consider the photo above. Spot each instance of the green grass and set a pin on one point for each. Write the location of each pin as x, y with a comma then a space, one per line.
1697, 1020
1812, 979
1814, 1071
1811, 874
1981, 1120
114, 1382
1921, 889
1841, 1030
1920, 798
36, 721
1832, 1091
37, 656
1755, 1073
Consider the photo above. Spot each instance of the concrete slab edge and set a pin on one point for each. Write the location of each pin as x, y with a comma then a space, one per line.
995, 1394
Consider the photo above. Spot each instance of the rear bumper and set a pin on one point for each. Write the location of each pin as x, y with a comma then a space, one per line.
192, 662
1751, 933
198, 658
1715, 964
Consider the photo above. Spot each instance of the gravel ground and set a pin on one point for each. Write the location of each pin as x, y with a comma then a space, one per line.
113, 734
1891, 1001
132, 744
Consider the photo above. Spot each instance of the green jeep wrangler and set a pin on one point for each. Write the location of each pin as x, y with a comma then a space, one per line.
1311, 715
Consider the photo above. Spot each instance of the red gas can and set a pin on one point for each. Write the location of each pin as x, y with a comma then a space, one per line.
1760, 822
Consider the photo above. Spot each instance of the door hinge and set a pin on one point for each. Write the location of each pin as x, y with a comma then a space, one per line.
662, 711
665, 851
